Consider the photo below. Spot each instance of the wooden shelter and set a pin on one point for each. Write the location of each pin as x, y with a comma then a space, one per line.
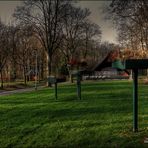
105, 67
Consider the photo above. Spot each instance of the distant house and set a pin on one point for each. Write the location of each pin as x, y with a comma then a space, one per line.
104, 69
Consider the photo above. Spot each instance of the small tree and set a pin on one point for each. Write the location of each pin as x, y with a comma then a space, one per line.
91, 33
24, 48
46, 17
4, 48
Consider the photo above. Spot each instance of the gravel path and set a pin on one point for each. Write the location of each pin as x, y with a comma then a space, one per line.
4, 93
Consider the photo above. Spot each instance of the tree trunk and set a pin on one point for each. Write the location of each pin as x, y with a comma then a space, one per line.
2, 82
25, 79
42, 71
131, 76
71, 78
14, 71
49, 60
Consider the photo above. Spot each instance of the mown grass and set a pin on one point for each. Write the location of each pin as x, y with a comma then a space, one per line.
103, 118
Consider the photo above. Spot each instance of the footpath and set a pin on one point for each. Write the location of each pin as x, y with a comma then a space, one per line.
4, 93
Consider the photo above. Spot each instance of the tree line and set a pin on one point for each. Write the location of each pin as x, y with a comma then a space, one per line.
48, 34
131, 20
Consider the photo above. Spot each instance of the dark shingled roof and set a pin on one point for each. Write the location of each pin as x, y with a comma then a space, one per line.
106, 62
103, 64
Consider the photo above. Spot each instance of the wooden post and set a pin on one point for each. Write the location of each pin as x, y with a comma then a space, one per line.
135, 100
56, 96
79, 85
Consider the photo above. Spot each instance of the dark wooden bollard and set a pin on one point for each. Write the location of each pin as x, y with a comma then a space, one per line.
134, 65
135, 100
53, 80
56, 96
79, 85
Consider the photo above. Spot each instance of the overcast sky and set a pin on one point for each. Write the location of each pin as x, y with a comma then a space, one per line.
108, 32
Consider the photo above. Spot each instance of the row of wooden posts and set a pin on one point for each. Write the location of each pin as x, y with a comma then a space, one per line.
53, 80
134, 65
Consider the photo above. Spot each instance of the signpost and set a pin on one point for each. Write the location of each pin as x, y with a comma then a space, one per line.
133, 64
77, 74
53, 80
79, 85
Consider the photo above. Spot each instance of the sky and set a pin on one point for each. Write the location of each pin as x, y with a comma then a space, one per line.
108, 31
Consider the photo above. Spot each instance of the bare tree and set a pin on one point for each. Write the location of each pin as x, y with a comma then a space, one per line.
13, 50
46, 17
24, 48
73, 30
4, 48
131, 18
91, 33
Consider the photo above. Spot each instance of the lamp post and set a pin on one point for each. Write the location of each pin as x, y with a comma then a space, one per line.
36, 69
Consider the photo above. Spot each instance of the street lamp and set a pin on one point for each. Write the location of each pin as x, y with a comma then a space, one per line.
36, 68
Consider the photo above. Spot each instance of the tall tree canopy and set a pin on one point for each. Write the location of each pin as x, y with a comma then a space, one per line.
131, 18
4, 48
46, 17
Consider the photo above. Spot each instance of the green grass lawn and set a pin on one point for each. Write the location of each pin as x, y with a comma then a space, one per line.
103, 118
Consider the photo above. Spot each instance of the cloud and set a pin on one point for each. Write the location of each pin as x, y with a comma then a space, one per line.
108, 31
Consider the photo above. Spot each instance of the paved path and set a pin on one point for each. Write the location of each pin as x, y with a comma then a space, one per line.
4, 93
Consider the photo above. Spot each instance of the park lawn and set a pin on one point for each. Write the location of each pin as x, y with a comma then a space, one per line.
103, 118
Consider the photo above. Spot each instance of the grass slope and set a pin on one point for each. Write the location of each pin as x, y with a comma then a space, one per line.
103, 118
